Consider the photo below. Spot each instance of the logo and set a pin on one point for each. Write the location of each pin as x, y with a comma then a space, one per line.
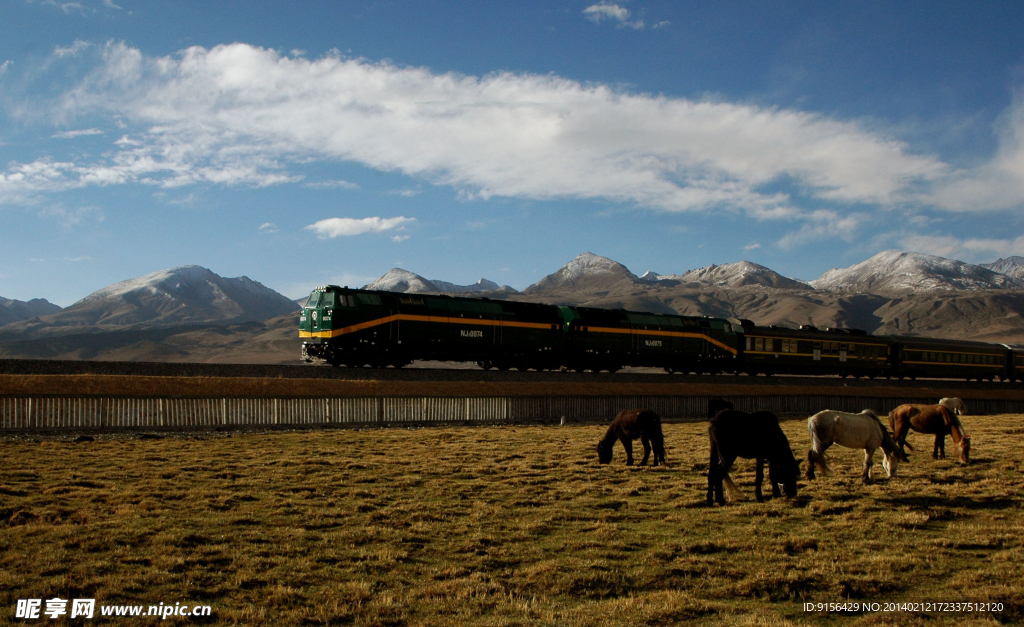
465, 333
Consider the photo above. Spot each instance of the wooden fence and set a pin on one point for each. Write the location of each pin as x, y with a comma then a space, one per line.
73, 413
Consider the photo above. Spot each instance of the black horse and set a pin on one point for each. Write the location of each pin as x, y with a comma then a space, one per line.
752, 436
629, 425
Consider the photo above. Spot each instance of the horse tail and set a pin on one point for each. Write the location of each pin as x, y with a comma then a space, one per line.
814, 456
716, 451
730, 487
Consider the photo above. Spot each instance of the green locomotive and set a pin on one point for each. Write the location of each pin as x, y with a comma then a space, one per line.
355, 327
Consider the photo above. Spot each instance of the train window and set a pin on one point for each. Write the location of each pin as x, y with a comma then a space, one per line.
852, 350
314, 298
817, 345
759, 344
785, 346
368, 299
769, 344
327, 300
749, 340
407, 300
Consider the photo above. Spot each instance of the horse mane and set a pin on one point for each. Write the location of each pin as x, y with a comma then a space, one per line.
889, 444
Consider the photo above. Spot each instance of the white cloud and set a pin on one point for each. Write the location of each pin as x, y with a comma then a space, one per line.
268, 227
399, 238
5, 65
405, 193
974, 250
336, 227
336, 184
237, 114
754, 246
73, 50
601, 11
824, 224
78, 133
68, 218
997, 184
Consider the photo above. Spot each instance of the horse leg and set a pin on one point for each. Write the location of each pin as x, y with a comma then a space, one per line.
628, 445
647, 451
714, 481
758, 479
810, 465
776, 493
869, 455
939, 452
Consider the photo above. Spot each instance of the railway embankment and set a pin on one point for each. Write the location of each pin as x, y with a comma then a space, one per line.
38, 395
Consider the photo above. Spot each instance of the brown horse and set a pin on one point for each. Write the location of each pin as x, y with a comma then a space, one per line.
937, 419
629, 425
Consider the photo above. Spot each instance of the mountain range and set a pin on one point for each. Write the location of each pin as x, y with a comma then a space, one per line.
190, 313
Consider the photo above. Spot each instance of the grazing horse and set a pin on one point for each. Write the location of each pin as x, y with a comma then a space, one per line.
717, 405
954, 405
752, 436
629, 425
937, 419
864, 430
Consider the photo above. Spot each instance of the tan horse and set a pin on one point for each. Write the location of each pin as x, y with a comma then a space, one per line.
864, 430
942, 419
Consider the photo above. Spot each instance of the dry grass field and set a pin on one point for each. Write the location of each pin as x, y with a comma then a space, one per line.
501, 525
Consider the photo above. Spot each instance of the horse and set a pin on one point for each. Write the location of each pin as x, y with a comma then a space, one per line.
717, 405
629, 425
752, 436
864, 430
954, 405
937, 419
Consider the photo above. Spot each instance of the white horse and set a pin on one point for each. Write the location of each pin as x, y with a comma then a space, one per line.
954, 405
864, 430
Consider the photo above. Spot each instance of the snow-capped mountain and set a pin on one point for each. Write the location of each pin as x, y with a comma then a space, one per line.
483, 285
14, 310
896, 273
736, 274
1011, 266
587, 272
184, 295
399, 280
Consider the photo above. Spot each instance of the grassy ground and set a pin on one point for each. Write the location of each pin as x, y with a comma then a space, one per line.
504, 525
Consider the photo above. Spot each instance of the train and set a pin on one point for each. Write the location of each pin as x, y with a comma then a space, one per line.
358, 327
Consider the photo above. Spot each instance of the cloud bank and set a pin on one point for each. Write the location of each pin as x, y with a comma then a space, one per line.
243, 115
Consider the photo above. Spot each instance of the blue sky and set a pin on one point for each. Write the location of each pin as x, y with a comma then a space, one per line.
327, 142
